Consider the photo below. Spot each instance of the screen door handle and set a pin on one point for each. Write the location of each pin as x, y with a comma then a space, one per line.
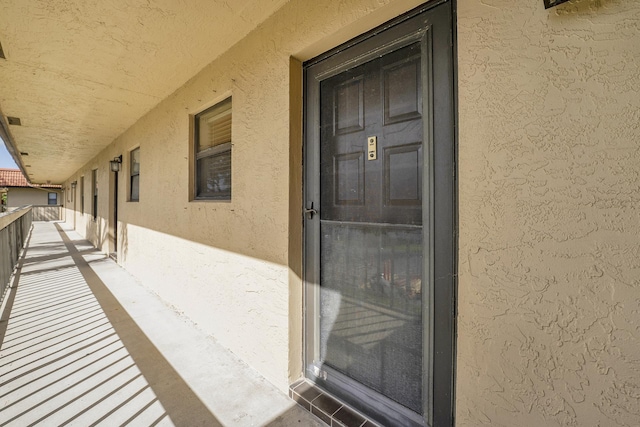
310, 212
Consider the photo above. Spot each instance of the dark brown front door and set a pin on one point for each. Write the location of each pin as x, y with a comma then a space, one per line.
379, 176
371, 234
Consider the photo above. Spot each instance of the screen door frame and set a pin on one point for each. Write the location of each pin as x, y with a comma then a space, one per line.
432, 26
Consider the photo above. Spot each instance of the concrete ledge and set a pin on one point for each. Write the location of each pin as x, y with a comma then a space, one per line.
9, 217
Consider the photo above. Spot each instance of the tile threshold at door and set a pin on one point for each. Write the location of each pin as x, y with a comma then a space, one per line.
327, 408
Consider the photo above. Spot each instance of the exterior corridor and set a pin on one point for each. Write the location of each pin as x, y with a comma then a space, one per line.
82, 343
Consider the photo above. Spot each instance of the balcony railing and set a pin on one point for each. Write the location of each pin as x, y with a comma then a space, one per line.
47, 212
40, 212
14, 229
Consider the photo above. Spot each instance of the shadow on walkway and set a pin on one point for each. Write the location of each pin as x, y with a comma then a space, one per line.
70, 353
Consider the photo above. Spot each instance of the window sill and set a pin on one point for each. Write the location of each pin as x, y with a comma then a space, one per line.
210, 200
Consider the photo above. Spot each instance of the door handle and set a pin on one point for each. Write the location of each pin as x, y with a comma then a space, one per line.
310, 212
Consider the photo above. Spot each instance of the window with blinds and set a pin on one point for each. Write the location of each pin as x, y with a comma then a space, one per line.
213, 152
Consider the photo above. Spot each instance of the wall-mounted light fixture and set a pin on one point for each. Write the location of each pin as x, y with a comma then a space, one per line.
552, 3
115, 164
73, 184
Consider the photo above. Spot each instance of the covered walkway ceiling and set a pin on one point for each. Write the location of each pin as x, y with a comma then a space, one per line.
78, 73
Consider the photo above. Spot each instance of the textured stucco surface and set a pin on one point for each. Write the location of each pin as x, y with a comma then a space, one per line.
79, 73
226, 265
549, 256
549, 312
30, 196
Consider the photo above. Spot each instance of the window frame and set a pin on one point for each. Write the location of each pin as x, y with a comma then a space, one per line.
49, 193
82, 195
132, 174
210, 152
94, 194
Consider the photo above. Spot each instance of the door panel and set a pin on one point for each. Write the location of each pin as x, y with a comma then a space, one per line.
376, 316
364, 102
370, 226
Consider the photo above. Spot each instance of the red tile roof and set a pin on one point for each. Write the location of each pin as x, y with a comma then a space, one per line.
14, 178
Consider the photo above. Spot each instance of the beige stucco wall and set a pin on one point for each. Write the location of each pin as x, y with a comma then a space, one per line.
548, 180
17, 196
227, 265
80, 216
549, 172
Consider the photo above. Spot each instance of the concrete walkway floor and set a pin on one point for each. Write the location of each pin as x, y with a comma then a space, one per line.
83, 343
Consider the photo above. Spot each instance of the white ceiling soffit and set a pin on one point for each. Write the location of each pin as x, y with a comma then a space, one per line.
78, 73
